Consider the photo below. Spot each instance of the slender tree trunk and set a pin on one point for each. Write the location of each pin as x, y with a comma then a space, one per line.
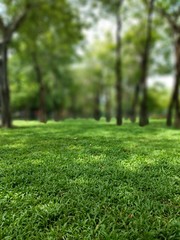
177, 100
97, 111
174, 102
143, 119
169, 113
39, 77
118, 68
4, 87
43, 115
108, 106
7, 32
1, 82
134, 103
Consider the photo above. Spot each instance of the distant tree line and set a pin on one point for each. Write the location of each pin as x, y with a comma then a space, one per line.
42, 74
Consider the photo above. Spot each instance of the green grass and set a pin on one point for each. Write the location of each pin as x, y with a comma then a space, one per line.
87, 180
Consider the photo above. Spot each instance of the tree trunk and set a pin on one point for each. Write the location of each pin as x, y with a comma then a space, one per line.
42, 107
42, 104
177, 103
7, 32
134, 104
169, 113
118, 68
174, 102
97, 111
108, 106
4, 88
143, 118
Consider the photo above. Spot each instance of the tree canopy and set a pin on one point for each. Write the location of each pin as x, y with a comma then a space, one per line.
49, 68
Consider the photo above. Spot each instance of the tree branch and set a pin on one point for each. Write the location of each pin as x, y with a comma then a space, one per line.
172, 22
16, 22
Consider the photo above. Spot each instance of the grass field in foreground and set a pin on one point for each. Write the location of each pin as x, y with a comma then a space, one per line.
87, 180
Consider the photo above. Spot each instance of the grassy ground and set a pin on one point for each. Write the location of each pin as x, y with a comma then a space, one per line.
87, 180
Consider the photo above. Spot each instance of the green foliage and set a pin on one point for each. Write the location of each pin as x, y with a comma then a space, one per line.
95, 73
88, 180
53, 40
158, 100
170, 6
53, 30
24, 89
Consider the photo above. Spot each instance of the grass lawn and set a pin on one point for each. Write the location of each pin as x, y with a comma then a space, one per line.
87, 180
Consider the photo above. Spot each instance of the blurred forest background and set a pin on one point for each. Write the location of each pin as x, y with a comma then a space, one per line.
91, 59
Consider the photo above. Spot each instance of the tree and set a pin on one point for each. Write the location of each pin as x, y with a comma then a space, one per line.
56, 44
114, 8
6, 33
133, 49
96, 73
118, 67
170, 11
54, 36
143, 118
23, 87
